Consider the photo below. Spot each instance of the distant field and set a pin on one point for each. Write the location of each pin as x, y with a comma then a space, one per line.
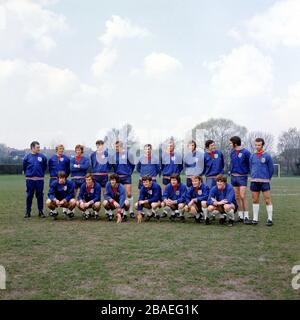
46, 259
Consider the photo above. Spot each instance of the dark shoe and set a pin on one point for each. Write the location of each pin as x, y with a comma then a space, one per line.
41, 214
164, 214
230, 223
124, 218
207, 221
254, 222
97, 217
157, 217
172, 218
27, 215
182, 219
248, 221
222, 220
132, 216
240, 220
269, 223
71, 215
110, 218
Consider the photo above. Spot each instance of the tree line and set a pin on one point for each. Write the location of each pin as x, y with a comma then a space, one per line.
220, 130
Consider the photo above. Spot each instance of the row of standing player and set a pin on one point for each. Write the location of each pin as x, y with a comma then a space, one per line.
210, 163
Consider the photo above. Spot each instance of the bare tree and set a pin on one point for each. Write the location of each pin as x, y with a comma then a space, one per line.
289, 151
220, 130
125, 134
251, 136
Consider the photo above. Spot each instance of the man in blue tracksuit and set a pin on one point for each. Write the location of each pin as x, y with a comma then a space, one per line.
34, 167
196, 198
148, 165
221, 200
115, 198
193, 162
239, 170
58, 162
213, 163
89, 197
261, 172
123, 165
171, 163
174, 198
79, 165
149, 199
61, 194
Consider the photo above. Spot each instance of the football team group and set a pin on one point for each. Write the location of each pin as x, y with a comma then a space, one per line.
107, 175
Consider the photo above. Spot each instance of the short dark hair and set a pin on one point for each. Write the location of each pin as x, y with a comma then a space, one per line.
79, 146
119, 142
148, 145
61, 174
197, 177
89, 175
236, 141
99, 142
175, 176
146, 178
193, 142
222, 178
208, 143
33, 144
260, 140
114, 176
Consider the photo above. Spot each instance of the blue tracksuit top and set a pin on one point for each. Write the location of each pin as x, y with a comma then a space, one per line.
62, 165
124, 164
227, 193
261, 168
240, 162
194, 163
171, 164
61, 191
178, 195
84, 166
94, 194
34, 165
152, 194
201, 194
213, 166
100, 164
151, 169
120, 196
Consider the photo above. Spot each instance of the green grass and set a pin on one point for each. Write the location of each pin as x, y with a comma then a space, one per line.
46, 259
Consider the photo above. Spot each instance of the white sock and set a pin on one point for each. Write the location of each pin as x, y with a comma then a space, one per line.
95, 213
246, 214
240, 213
167, 209
130, 204
270, 211
180, 212
255, 211
109, 212
204, 210
231, 214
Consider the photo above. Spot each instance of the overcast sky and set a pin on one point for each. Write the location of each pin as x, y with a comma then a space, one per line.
72, 69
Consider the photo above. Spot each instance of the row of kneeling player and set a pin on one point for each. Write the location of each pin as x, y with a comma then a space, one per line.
174, 202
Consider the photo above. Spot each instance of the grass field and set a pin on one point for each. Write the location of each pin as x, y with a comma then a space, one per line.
46, 259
